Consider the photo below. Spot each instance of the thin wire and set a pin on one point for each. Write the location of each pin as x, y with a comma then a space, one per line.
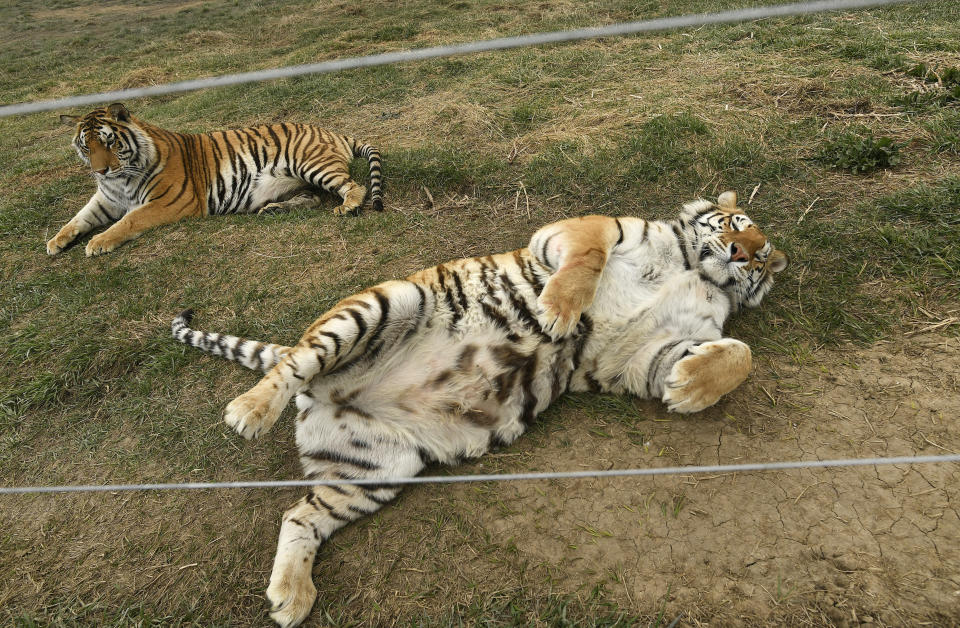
451, 479
503, 43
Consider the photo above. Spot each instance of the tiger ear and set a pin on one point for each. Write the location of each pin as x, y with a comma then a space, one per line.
69, 120
118, 112
727, 200
777, 261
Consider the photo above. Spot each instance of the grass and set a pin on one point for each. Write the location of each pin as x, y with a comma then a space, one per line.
92, 389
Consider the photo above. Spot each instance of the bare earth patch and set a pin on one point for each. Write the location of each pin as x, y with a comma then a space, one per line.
840, 545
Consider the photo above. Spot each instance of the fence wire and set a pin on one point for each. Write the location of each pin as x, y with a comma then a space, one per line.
502, 43
501, 477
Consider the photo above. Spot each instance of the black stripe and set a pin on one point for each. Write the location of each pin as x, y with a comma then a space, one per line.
592, 382
100, 213
655, 363
543, 250
278, 144
333, 336
333, 513
370, 489
680, 244
536, 278
325, 455
448, 297
728, 283
620, 229
256, 354
530, 400
361, 325
360, 511
585, 327
252, 150
499, 320
459, 287
526, 316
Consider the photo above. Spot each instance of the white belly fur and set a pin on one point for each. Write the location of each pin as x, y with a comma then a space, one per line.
399, 400
269, 188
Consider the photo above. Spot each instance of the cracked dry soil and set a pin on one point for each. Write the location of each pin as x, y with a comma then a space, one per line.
852, 546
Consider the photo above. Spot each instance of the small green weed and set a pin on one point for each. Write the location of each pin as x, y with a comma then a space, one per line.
860, 152
398, 32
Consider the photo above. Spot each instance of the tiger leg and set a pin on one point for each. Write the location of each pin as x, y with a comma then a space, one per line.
151, 214
366, 322
98, 211
311, 521
337, 179
307, 199
577, 250
709, 371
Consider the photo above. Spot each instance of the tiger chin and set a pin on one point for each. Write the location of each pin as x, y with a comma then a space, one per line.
461, 357
147, 176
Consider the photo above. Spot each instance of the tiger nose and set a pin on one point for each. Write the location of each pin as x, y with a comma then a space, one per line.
101, 170
737, 254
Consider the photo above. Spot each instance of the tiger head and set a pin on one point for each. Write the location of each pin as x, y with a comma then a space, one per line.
111, 142
733, 253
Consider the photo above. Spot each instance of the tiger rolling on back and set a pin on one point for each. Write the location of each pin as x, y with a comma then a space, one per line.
461, 357
147, 176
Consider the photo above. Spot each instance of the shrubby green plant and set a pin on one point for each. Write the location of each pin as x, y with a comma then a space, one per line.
860, 152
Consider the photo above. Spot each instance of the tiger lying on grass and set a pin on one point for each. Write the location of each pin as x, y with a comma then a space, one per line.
147, 176
463, 356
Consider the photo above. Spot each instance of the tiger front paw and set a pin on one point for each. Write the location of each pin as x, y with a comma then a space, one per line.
55, 245
100, 244
558, 317
62, 240
291, 597
562, 302
252, 414
699, 380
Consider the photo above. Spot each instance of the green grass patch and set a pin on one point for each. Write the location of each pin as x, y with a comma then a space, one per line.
859, 152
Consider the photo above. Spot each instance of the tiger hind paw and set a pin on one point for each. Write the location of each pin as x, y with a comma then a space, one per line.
555, 320
343, 210
251, 414
291, 599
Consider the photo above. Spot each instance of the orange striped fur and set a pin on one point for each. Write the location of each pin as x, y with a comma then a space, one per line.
147, 176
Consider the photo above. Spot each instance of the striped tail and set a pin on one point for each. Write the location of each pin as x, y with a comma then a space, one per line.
259, 356
372, 156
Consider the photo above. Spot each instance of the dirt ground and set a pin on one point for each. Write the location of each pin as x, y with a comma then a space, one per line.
855, 546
